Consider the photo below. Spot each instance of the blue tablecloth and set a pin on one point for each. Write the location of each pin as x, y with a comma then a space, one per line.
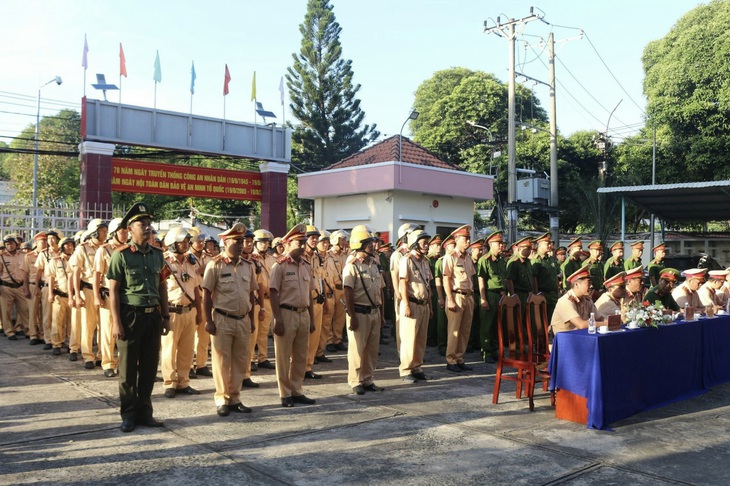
623, 373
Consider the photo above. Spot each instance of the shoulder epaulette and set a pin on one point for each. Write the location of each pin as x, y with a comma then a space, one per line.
282, 259
121, 248
218, 257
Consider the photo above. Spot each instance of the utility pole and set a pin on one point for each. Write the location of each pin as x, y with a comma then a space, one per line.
554, 204
509, 32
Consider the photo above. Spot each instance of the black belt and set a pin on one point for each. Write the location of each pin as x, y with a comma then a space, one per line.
232, 316
292, 308
180, 309
364, 309
142, 309
468, 293
60, 294
86, 285
338, 286
40, 285
10, 284
417, 301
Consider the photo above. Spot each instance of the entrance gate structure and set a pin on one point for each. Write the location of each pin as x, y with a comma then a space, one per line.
105, 124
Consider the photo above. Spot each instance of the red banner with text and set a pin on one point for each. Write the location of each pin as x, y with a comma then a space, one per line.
177, 180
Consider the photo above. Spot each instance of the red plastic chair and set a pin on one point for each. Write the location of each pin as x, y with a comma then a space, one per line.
517, 354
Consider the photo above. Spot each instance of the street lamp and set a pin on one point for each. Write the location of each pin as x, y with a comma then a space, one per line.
56, 80
413, 115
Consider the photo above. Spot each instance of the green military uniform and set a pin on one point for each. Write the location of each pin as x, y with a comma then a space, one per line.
520, 272
474, 342
666, 299
569, 267
655, 269
595, 271
613, 266
632, 263
139, 275
493, 271
545, 270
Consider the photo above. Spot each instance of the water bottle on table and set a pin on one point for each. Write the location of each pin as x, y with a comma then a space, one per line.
592, 323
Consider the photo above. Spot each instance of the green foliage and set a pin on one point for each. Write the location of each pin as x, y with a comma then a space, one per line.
688, 92
58, 175
323, 97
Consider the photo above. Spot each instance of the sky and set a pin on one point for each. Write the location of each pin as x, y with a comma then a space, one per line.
394, 46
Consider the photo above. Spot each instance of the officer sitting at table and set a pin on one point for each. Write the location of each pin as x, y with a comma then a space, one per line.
575, 306
662, 292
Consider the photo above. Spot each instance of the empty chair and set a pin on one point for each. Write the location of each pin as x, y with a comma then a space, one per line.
538, 326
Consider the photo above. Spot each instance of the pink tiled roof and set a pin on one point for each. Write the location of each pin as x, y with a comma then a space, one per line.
387, 151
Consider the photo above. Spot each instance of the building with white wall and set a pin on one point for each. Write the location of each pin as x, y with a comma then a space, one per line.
387, 185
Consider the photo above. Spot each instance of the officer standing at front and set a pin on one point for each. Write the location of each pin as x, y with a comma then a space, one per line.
457, 282
138, 300
363, 296
492, 276
291, 288
13, 288
229, 283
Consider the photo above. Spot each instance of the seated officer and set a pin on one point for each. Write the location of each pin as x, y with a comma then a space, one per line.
709, 293
610, 302
662, 292
575, 306
634, 286
686, 293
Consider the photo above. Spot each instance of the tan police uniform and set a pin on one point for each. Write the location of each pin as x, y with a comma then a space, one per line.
570, 306
320, 288
82, 261
413, 329
260, 336
176, 356
102, 257
606, 305
57, 273
35, 306
231, 283
12, 277
458, 271
294, 284
332, 334
202, 338
683, 295
46, 302
395, 259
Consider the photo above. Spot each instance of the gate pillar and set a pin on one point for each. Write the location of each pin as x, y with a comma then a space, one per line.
96, 181
273, 197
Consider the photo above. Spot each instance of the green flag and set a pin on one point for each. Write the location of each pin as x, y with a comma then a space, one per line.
158, 71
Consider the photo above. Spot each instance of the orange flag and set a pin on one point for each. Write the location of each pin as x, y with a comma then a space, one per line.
122, 62
226, 80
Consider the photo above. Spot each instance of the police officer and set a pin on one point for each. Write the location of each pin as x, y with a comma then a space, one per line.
414, 280
13, 289
610, 302
363, 296
52, 237
575, 306
457, 283
615, 264
595, 267
35, 308
637, 249
634, 287
519, 271
573, 263
686, 293
656, 266
117, 236
291, 288
434, 253
334, 264
202, 338
662, 291
319, 296
229, 283
545, 271
82, 263
262, 311
140, 315
185, 313
492, 278
57, 273
402, 249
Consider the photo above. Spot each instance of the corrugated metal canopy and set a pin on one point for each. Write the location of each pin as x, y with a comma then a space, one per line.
691, 201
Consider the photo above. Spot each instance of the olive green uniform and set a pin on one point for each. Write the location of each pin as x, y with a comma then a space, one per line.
613, 266
568, 268
139, 276
545, 270
520, 272
632, 263
655, 269
666, 299
493, 270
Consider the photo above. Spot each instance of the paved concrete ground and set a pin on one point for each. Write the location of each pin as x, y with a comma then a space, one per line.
59, 424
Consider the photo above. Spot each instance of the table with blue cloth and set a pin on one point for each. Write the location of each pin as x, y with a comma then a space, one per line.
618, 374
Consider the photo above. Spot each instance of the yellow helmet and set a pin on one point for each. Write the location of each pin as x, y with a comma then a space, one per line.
360, 235
311, 231
262, 235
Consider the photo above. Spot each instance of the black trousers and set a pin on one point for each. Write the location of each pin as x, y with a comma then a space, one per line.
139, 354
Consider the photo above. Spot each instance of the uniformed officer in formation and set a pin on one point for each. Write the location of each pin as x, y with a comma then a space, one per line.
414, 279
595, 267
57, 274
291, 288
434, 253
656, 266
116, 237
229, 283
545, 270
319, 296
637, 250
400, 250
35, 305
492, 277
615, 264
185, 306
202, 338
13, 289
457, 283
82, 264
140, 316
334, 264
520, 280
573, 263
328, 311
53, 236
262, 310
363, 297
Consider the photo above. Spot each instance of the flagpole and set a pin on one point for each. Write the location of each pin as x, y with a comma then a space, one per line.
224, 122
120, 88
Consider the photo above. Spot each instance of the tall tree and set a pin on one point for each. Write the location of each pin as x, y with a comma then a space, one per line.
323, 97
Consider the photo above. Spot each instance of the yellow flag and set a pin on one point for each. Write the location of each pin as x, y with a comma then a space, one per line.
253, 87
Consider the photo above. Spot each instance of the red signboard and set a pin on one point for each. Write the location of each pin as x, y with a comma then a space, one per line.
177, 180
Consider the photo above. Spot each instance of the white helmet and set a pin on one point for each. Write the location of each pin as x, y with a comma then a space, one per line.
177, 234
114, 225
406, 228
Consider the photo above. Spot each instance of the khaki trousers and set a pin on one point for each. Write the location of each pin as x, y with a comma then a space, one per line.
326, 333
260, 336
106, 339
334, 335
176, 356
459, 328
362, 349
396, 324
46, 318
13, 297
413, 334
291, 353
74, 337
89, 327
230, 357
60, 320
313, 344
202, 344
35, 312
